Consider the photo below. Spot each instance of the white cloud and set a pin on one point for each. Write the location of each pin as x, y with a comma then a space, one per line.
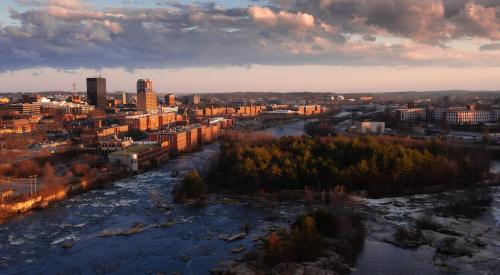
267, 17
71, 33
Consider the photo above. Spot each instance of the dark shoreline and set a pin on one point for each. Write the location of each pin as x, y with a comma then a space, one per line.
71, 190
101, 181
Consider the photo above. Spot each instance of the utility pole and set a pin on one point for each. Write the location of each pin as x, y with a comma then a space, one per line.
33, 180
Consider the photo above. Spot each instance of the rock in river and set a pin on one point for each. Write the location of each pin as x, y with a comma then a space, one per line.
236, 237
67, 244
238, 249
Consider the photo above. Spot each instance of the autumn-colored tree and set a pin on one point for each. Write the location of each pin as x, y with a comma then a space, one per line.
192, 187
26, 169
375, 164
51, 182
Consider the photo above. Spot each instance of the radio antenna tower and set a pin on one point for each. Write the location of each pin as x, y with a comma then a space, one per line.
74, 89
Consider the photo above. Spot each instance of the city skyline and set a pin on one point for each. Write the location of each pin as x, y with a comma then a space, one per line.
250, 137
226, 46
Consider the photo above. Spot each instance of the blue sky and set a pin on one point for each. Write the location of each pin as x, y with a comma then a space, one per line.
250, 46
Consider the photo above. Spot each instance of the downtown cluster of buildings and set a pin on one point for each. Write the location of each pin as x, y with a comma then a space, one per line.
162, 129
138, 129
172, 127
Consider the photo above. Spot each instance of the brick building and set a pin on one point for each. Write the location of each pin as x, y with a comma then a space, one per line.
137, 122
147, 100
93, 135
138, 157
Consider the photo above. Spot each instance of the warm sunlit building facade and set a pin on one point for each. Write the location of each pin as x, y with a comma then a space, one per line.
469, 117
411, 114
147, 100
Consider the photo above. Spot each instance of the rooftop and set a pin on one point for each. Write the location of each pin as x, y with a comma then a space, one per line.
134, 149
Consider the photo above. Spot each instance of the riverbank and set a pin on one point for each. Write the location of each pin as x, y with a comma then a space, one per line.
26, 202
8, 210
169, 238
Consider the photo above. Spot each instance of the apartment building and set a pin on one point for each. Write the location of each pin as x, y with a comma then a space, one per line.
411, 114
470, 117
93, 135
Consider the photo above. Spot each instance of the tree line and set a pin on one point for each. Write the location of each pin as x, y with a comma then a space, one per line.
375, 164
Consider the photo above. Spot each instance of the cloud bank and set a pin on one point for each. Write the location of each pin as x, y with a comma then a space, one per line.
69, 34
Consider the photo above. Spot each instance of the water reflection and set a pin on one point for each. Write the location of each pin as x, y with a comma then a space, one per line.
191, 244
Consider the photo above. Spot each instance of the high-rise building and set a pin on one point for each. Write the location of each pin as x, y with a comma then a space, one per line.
170, 100
124, 98
28, 98
193, 100
96, 92
144, 85
146, 98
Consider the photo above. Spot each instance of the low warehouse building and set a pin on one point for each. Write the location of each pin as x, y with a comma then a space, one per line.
138, 157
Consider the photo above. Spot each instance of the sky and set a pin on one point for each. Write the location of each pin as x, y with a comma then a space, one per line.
251, 45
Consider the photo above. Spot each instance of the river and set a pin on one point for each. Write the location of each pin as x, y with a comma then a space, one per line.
32, 243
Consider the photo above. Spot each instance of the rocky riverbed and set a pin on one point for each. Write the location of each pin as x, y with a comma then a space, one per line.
450, 245
453, 244
132, 226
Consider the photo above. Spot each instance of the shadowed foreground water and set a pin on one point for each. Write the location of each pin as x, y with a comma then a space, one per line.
32, 243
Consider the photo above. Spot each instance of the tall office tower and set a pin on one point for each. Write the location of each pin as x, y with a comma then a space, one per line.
193, 100
144, 85
96, 92
170, 100
124, 98
146, 98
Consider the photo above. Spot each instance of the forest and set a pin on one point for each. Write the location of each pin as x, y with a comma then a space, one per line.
379, 165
